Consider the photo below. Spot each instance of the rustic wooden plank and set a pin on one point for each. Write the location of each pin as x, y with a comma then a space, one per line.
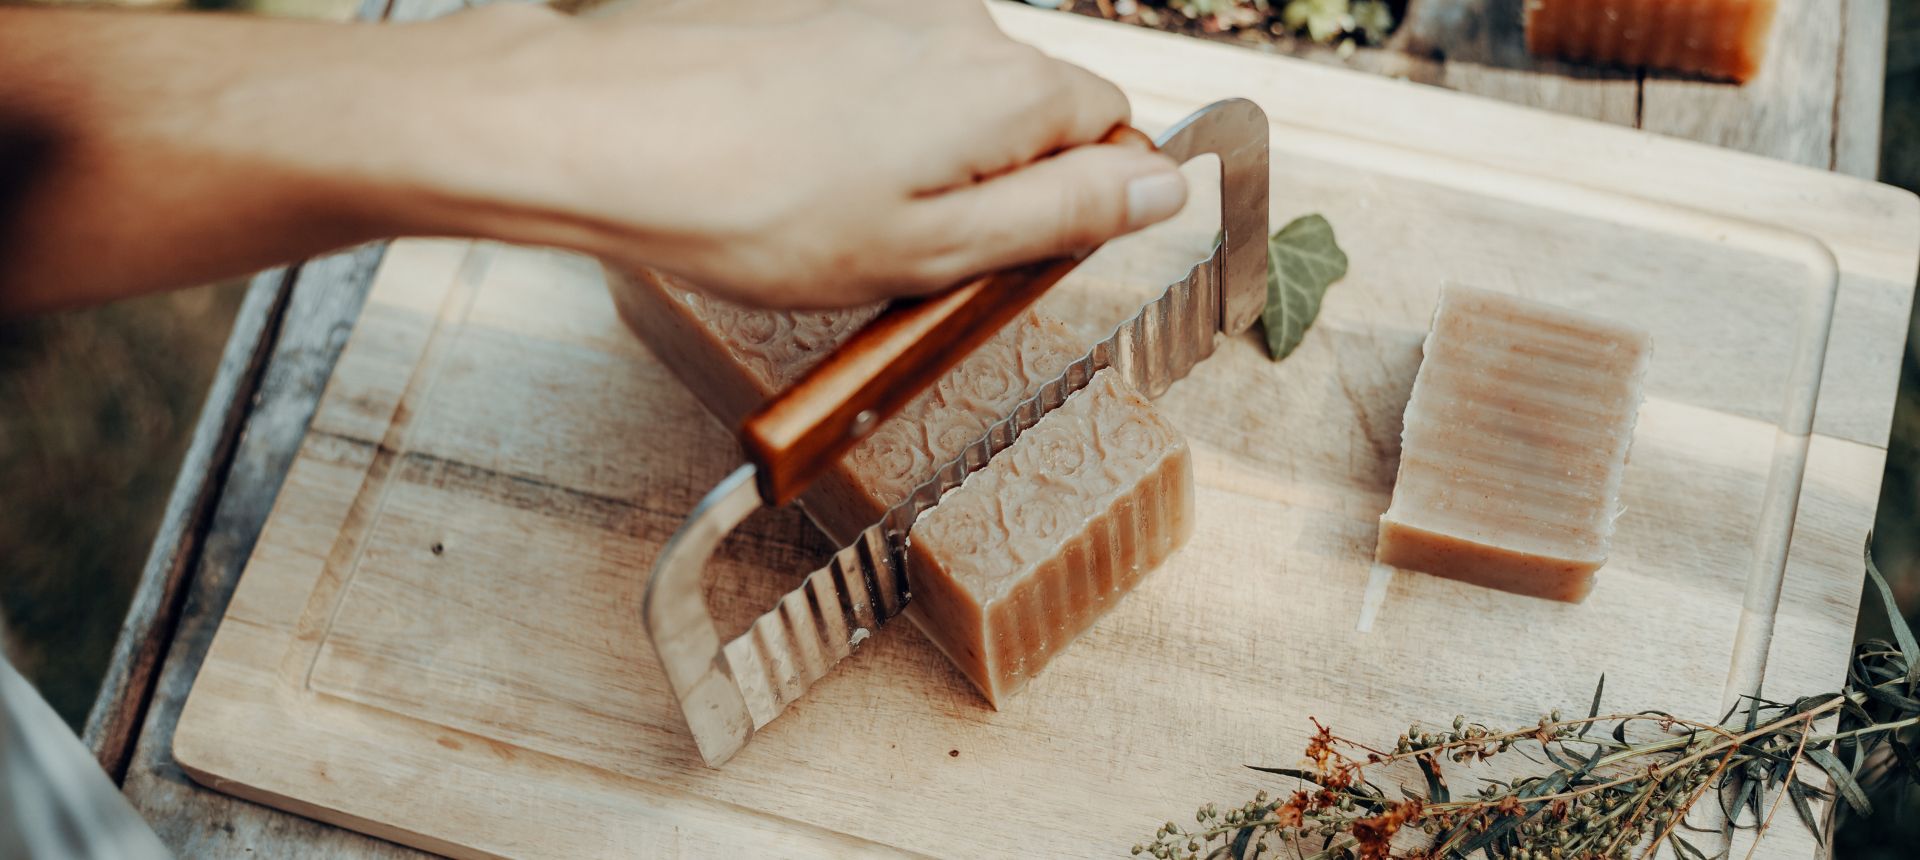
1863, 84
192, 820
1786, 112
143, 638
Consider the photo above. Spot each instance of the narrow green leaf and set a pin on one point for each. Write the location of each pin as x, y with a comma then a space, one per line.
1908, 758
1878, 673
1808, 703
1842, 780
1242, 844
1901, 631
1296, 773
1886, 697
1490, 835
1742, 790
1685, 849
1595, 710
1302, 261
1436, 784
1803, 805
1559, 762
1539, 787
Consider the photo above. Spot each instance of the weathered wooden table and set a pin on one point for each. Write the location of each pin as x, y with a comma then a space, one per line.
1824, 111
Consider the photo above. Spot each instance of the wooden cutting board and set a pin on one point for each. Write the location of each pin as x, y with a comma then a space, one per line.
438, 642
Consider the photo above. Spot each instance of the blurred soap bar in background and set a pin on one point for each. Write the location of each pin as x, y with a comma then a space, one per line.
1725, 39
1515, 445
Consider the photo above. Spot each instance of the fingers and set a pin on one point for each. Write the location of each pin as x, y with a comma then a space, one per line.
1070, 202
1092, 106
1043, 108
1007, 105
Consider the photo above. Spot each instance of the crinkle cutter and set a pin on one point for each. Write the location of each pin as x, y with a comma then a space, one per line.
729, 690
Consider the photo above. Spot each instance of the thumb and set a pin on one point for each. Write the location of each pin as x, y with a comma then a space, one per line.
1066, 203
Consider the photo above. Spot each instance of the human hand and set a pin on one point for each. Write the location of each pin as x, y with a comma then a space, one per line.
810, 153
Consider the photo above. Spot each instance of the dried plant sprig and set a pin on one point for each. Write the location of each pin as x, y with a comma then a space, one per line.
1624, 792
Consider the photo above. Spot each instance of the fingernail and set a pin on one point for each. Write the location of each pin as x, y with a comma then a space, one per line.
1155, 198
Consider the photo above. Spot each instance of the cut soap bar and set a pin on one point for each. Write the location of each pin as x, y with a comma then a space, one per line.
1033, 548
1127, 498
1717, 38
1515, 444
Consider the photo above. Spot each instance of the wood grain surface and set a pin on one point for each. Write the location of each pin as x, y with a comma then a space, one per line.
201, 823
446, 591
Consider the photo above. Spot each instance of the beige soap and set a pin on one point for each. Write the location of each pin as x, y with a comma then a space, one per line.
1033, 548
1515, 445
1100, 496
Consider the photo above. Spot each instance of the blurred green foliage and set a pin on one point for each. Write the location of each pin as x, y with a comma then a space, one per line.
100, 406
1893, 831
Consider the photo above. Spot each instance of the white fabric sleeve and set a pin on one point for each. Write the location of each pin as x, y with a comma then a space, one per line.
55, 801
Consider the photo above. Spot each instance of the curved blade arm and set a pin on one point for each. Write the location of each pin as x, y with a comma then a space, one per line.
682, 630
1235, 130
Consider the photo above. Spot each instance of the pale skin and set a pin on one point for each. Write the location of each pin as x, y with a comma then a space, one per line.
807, 153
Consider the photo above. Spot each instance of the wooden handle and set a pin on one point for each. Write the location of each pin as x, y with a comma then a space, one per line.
799, 433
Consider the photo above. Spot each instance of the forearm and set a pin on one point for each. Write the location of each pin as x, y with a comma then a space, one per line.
827, 153
152, 151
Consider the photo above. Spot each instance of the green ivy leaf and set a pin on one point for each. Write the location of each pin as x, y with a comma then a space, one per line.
1302, 261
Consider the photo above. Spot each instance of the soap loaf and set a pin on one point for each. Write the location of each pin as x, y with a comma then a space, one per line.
734, 358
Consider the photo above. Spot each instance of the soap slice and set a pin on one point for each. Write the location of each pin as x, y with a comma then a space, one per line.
1515, 445
1717, 38
734, 358
1033, 548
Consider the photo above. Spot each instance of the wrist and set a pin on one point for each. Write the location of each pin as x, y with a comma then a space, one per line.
467, 143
